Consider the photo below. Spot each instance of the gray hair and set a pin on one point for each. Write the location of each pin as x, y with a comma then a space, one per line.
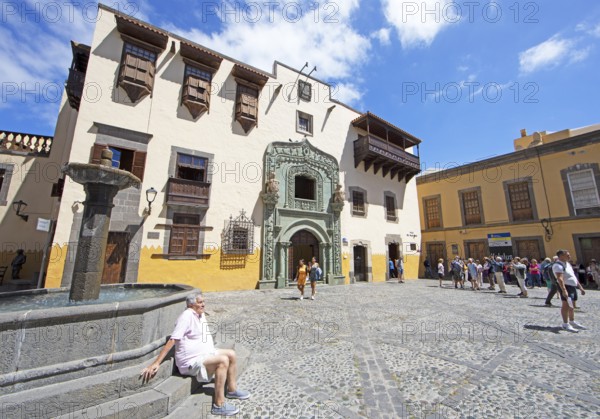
192, 298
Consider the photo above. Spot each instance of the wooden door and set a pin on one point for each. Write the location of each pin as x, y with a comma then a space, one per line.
115, 261
476, 250
360, 264
590, 249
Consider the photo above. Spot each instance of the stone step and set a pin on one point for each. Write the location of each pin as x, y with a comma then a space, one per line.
155, 402
74, 395
199, 403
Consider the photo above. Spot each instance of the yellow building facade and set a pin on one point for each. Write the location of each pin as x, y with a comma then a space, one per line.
543, 196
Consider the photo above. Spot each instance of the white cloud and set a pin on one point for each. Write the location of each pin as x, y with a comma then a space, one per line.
418, 23
325, 39
550, 54
383, 35
346, 93
36, 61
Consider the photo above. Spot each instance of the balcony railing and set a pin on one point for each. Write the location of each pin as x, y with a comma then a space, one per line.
36, 145
366, 145
188, 192
75, 87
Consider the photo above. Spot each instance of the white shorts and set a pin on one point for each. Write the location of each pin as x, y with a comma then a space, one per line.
198, 369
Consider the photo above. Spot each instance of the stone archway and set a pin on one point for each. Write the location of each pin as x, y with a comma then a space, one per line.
304, 245
288, 211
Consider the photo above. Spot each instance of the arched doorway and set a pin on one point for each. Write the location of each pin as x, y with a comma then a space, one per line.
304, 245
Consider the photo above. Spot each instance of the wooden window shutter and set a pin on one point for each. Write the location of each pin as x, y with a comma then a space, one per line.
97, 153
139, 164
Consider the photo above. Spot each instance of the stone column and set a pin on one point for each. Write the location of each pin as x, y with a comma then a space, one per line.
91, 248
283, 264
325, 265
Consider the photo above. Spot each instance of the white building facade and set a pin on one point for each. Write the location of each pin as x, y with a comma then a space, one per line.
246, 165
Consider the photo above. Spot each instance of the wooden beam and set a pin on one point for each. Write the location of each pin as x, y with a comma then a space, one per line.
368, 164
378, 163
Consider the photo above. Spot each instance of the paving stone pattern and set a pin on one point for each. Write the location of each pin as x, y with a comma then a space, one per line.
412, 350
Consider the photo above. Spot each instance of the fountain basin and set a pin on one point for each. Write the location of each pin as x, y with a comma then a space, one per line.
50, 345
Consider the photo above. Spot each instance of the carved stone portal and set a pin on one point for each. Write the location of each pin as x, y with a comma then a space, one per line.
285, 214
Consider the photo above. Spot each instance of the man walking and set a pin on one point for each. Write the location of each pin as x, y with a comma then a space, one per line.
567, 286
497, 266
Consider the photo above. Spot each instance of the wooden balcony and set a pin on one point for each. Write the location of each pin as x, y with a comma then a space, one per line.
386, 157
188, 192
75, 87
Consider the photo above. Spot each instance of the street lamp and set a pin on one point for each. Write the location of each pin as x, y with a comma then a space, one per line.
19, 206
150, 197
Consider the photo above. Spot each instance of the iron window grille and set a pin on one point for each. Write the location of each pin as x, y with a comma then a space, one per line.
238, 235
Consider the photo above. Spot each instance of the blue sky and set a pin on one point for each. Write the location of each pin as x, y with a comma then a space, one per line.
463, 76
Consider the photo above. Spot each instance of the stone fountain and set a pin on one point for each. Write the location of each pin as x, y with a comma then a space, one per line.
85, 349
101, 183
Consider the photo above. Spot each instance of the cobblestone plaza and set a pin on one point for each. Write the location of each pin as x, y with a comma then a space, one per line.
386, 350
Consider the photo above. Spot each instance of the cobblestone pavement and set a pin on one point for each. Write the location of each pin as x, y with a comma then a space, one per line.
388, 350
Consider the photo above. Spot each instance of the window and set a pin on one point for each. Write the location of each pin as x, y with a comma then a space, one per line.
304, 188
122, 158
433, 213
57, 188
304, 123
246, 108
196, 90
2, 174
390, 207
471, 208
304, 90
240, 239
520, 201
584, 192
191, 167
184, 234
133, 161
136, 74
358, 203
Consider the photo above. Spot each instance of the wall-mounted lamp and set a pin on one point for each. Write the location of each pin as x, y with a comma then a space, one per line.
19, 206
547, 228
150, 197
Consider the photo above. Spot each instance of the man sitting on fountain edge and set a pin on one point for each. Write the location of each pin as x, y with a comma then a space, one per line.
196, 355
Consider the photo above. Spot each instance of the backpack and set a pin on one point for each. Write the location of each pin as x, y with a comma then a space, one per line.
548, 273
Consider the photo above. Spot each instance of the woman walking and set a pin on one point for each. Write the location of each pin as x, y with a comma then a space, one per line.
315, 274
301, 277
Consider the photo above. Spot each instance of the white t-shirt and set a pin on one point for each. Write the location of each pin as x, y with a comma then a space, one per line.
569, 277
193, 339
440, 268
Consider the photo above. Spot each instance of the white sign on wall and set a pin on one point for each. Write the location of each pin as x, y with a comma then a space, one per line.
43, 224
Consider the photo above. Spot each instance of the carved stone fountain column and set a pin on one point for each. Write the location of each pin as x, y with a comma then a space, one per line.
101, 183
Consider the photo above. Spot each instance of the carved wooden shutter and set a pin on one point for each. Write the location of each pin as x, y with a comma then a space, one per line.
139, 163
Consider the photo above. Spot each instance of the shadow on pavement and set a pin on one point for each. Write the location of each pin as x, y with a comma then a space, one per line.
552, 329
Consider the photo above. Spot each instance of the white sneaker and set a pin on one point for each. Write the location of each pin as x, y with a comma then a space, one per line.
569, 328
577, 325
312, 297
302, 297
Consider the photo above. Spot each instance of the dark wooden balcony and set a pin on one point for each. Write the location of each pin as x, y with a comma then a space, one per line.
75, 87
386, 157
188, 192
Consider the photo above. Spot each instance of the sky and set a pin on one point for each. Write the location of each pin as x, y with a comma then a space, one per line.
463, 76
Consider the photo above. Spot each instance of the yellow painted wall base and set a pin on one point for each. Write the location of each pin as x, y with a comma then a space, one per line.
56, 266
215, 273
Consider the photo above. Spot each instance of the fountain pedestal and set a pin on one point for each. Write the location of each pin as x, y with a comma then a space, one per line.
101, 183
